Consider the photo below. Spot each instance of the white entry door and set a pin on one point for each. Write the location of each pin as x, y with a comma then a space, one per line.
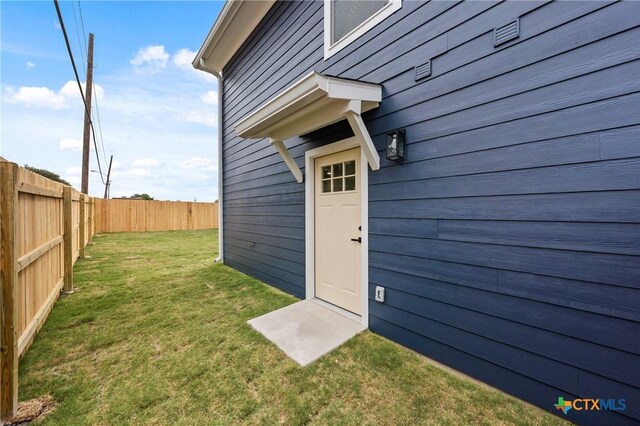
338, 248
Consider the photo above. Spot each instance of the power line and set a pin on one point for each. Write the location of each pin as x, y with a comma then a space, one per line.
104, 154
84, 39
75, 71
75, 21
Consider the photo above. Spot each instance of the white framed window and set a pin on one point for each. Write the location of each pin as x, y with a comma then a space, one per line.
346, 20
339, 177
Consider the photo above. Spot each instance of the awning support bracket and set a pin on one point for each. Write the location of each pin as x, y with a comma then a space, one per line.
359, 130
288, 159
363, 137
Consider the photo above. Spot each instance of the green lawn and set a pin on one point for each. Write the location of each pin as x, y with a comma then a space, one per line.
157, 334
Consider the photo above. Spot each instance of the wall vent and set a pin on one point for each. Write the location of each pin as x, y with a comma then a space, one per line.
423, 70
506, 32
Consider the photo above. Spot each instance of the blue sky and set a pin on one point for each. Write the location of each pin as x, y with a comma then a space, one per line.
157, 113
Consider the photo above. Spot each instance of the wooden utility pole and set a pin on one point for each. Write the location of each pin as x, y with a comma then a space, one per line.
87, 119
106, 185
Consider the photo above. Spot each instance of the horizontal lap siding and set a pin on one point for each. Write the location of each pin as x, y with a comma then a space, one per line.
509, 238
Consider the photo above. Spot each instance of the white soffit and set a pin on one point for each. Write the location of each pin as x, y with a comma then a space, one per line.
313, 102
235, 23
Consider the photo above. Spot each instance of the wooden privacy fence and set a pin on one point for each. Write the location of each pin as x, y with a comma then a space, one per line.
120, 215
44, 228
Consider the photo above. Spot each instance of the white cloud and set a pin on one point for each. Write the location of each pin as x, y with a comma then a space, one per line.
146, 163
74, 171
183, 58
139, 172
98, 91
73, 180
198, 163
30, 65
36, 97
211, 97
70, 144
43, 97
208, 119
70, 90
145, 116
153, 57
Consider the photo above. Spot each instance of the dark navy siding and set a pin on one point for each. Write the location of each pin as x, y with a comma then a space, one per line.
509, 239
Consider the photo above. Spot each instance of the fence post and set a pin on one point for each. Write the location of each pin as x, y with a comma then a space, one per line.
81, 226
9, 282
93, 218
67, 213
91, 225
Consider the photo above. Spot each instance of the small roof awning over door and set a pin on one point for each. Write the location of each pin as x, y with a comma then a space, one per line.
313, 102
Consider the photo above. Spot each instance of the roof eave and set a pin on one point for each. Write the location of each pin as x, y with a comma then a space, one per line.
235, 23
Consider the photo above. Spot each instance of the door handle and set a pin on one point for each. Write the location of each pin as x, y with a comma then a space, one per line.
357, 240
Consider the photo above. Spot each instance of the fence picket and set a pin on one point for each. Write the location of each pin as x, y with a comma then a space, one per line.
121, 215
36, 240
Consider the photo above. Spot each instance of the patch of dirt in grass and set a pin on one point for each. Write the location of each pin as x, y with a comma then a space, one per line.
31, 410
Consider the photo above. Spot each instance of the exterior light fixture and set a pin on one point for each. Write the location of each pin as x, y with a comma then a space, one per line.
395, 145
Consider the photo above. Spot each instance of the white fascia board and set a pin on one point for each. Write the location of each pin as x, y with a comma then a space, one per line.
300, 94
235, 23
339, 88
315, 101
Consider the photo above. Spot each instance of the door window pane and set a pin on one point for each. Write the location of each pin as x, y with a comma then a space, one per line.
350, 183
338, 177
337, 170
350, 168
337, 185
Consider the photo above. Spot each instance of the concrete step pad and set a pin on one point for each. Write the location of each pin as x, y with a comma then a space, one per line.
305, 331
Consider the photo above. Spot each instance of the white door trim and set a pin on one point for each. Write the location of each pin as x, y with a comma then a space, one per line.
310, 156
